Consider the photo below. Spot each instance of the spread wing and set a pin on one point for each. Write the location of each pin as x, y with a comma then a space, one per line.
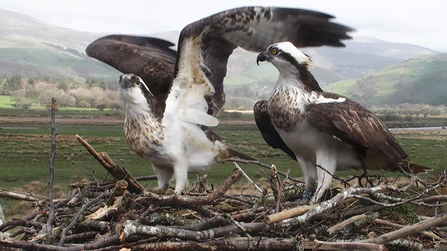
268, 131
149, 58
254, 29
352, 123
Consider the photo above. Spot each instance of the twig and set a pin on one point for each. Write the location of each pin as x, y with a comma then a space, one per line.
398, 226
211, 198
248, 178
118, 173
262, 244
344, 223
262, 165
78, 215
409, 230
20, 196
51, 162
135, 228
286, 214
323, 206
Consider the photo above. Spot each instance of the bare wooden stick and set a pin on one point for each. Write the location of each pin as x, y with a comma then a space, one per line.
261, 244
323, 206
344, 223
289, 213
237, 160
248, 178
118, 173
78, 215
190, 200
51, 162
409, 230
19, 196
398, 226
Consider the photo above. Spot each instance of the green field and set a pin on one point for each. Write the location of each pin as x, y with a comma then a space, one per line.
5, 102
25, 152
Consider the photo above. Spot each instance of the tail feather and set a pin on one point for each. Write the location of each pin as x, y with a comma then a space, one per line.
234, 153
409, 166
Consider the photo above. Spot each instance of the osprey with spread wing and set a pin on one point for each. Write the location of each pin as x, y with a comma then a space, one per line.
172, 131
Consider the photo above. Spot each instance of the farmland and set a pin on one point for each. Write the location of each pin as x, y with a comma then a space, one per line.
25, 150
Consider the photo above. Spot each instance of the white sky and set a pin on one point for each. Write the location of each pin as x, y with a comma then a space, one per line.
421, 22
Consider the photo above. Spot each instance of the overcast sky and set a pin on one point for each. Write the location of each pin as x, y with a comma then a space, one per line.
422, 22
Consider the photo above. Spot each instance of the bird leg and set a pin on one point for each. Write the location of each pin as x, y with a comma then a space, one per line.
181, 177
366, 176
326, 159
310, 175
164, 175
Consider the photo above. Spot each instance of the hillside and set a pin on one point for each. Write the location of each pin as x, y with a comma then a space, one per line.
420, 80
32, 48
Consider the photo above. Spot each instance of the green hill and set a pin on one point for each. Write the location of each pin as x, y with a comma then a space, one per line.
32, 59
420, 80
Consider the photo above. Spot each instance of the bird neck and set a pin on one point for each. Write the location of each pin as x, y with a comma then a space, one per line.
139, 110
300, 77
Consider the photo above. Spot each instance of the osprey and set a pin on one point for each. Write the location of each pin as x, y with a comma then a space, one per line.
174, 136
324, 129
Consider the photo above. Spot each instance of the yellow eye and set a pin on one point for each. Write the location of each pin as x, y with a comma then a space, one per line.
137, 81
274, 51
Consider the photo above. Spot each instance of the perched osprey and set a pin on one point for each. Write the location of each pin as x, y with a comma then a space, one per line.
322, 128
175, 138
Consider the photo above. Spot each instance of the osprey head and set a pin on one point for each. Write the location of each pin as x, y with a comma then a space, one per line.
286, 57
133, 90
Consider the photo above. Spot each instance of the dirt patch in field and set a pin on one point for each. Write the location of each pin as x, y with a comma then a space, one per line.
60, 120
100, 120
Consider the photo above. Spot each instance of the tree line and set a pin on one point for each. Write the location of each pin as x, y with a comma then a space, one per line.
93, 93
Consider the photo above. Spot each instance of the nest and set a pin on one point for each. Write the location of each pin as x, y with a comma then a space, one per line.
122, 215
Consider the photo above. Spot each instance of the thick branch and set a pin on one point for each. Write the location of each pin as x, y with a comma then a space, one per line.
190, 200
261, 244
19, 196
118, 173
78, 215
409, 230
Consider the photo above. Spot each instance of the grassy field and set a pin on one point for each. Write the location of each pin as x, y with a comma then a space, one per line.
25, 154
5, 102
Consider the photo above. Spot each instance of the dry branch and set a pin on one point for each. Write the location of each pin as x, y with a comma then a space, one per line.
286, 214
398, 226
97, 217
212, 198
118, 173
19, 195
261, 244
409, 230
344, 223
49, 225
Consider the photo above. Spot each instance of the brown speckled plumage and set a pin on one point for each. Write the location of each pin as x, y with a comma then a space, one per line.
143, 135
324, 129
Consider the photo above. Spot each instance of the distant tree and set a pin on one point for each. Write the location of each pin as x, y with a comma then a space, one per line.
84, 97
12, 84
65, 100
45, 97
20, 99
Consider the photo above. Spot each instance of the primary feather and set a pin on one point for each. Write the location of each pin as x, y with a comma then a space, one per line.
179, 141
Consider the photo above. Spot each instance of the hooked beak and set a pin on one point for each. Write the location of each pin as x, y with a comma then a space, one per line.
125, 81
262, 57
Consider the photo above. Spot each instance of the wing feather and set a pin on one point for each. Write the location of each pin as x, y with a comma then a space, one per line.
268, 131
254, 29
149, 58
354, 124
